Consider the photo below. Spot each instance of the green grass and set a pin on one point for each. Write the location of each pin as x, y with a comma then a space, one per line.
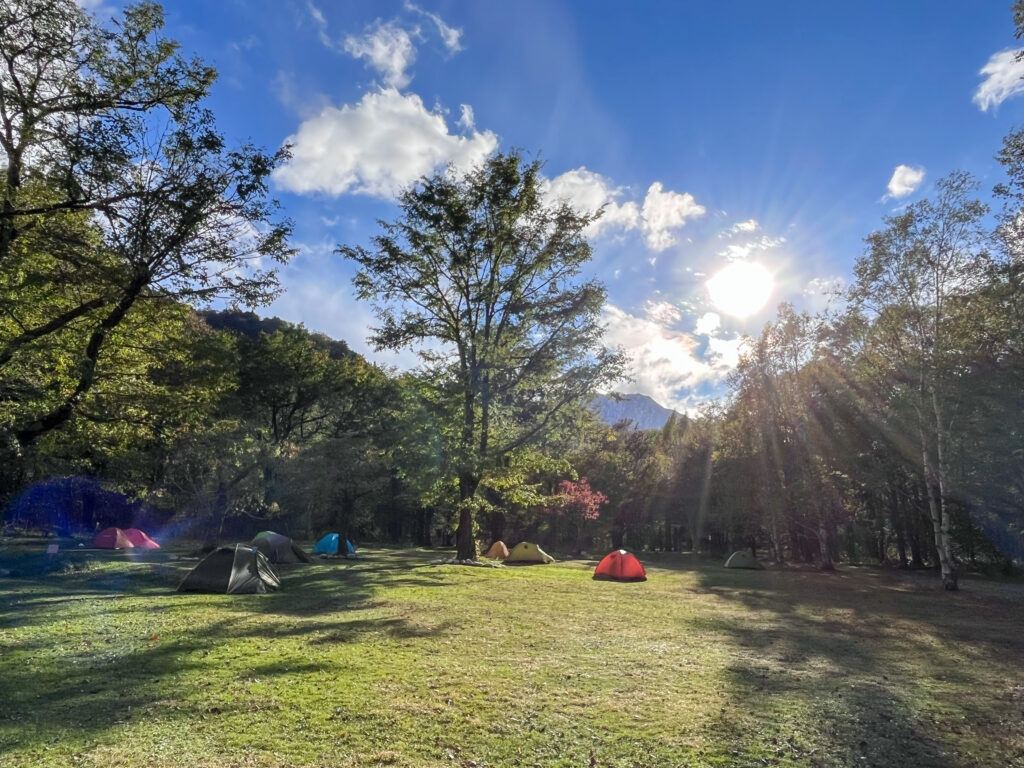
391, 661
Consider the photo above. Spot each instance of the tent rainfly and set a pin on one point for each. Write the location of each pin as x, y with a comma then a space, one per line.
328, 545
498, 551
743, 559
333, 544
528, 553
235, 570
620, 565
139, 539
112, 538
279, 549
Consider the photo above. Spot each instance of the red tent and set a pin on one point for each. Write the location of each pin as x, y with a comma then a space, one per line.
620, 565
112, 538
139, 539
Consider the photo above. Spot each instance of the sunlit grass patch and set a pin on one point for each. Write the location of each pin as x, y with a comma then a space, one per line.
390, 661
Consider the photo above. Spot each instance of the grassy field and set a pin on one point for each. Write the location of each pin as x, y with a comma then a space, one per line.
391, 661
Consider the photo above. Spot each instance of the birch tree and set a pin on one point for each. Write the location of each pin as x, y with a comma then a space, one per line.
912, 272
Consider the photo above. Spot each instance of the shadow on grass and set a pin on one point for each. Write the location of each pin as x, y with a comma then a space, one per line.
83, 652
882, 663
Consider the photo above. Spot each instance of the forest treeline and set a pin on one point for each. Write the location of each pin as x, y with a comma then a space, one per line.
891, 430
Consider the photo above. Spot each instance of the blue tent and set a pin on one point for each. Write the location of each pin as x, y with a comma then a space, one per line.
331, 545
328, 545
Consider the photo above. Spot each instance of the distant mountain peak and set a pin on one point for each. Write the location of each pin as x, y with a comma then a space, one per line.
643, 411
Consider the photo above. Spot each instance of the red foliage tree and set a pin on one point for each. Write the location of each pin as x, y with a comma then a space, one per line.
580, 504
581, 501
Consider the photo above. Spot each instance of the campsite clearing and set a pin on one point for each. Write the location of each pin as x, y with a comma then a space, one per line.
389, 661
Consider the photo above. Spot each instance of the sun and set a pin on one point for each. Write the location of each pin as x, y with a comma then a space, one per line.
741, 289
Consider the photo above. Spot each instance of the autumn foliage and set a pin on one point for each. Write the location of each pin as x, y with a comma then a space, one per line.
580, 501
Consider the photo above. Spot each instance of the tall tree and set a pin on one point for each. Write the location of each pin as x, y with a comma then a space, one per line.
910, 278
119, 191
71, 92
580, 504
483, 279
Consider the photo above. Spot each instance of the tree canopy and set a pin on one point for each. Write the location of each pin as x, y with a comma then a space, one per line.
483, 279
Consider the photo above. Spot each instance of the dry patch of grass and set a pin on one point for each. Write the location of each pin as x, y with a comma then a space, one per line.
389, 661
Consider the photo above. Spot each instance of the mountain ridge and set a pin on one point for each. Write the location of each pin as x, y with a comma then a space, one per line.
645, 412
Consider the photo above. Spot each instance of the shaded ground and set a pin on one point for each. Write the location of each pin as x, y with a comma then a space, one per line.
390, 661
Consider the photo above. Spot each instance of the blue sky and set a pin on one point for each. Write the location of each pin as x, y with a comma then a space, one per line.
769, 134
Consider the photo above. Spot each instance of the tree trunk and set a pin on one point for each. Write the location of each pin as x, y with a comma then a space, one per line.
917, 526
268, 485
776, 543
916, 552
940, 518
950, 578
618, 536
897, 519
824, 550
851, 542
220, 510
497, 525
465, 543
424, 519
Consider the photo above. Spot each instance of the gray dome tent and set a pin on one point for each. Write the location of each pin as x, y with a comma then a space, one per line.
743, 559
279, 548
234, 570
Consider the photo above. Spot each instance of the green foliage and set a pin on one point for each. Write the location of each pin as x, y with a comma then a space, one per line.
118, 193
482, 279
888, 433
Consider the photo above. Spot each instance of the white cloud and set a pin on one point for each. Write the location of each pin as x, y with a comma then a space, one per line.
586, 192
297, 97
98, 8
750, 225
821, 293
466, 117
664, 211
1003, 74
905, 180
708, 323
743, 251
245, 45
663, 361
662, 312
321, 24
450, 36
376, 147
724, 354
388, 48
823, 285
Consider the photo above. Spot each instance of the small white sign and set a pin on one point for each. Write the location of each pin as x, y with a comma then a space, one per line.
51, 549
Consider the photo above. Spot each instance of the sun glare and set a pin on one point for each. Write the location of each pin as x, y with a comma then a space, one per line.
741, 289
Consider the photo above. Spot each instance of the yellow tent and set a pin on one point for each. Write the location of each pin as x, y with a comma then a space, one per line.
498, 551
525, 553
